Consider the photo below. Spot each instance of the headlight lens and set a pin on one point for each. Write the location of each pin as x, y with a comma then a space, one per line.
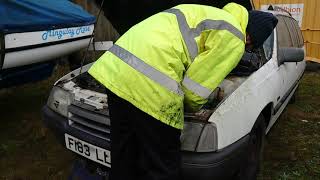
190, 135
199, 137
59, 100
208, 140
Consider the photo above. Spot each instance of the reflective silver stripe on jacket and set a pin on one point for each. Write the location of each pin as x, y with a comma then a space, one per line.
218, 25
189, 34
196, 88
146, 69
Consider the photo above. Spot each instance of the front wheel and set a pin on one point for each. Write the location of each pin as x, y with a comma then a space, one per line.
250, 169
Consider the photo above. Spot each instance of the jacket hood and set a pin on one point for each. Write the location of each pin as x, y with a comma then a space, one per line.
240, 13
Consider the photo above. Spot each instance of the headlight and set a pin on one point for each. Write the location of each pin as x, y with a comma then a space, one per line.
59, 100
208, 140
199, 137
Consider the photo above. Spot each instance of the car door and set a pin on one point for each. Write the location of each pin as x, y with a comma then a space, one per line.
295, 69
289, 35
283, 40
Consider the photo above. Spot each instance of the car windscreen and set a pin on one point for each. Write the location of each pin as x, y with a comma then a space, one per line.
268, 46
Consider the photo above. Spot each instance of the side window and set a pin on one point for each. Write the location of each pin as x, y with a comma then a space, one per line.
297, 38
283, 33
289, 33
293, 32
299, 34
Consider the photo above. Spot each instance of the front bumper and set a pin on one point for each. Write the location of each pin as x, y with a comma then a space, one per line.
223, 164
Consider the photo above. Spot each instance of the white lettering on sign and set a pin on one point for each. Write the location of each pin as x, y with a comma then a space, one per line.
296, 10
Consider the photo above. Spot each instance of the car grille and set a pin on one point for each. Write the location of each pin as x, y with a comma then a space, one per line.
90, 120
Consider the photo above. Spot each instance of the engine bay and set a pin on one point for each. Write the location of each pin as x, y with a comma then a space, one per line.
90, 92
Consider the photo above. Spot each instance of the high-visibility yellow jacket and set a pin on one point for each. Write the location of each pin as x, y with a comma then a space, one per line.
174, 58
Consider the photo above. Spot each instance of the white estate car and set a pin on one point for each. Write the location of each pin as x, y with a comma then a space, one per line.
224, 139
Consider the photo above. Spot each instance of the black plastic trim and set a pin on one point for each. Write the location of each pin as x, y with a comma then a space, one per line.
286, 95
59, 125
98, 118
223, 164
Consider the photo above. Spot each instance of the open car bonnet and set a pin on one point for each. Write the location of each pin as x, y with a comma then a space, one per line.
125, 13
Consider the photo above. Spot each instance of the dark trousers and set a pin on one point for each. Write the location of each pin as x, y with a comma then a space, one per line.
142, 147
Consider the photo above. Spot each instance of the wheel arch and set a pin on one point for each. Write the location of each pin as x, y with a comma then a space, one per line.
267, 113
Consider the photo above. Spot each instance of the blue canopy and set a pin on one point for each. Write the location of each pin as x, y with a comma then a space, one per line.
36, 15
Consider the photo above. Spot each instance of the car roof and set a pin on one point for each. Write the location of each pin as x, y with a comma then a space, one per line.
278, 13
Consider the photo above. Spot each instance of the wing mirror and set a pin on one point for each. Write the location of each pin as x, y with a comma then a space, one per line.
290, 54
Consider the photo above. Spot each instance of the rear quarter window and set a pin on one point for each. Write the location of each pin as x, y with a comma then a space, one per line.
289, 33
284, 35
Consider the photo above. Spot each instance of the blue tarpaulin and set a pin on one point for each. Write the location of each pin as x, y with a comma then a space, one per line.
36, 15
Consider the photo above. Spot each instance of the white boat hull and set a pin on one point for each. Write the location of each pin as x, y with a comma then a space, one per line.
34, 47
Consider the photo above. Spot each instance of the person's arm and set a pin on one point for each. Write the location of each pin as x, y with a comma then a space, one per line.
220, 53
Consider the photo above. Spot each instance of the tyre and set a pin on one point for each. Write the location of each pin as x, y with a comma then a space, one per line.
250, 169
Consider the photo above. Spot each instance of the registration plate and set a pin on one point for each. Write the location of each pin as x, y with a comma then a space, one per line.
88, 150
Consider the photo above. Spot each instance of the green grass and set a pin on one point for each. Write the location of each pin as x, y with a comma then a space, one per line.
28, 150
292, 150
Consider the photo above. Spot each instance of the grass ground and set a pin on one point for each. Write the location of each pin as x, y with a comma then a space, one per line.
29, 151
292, 150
